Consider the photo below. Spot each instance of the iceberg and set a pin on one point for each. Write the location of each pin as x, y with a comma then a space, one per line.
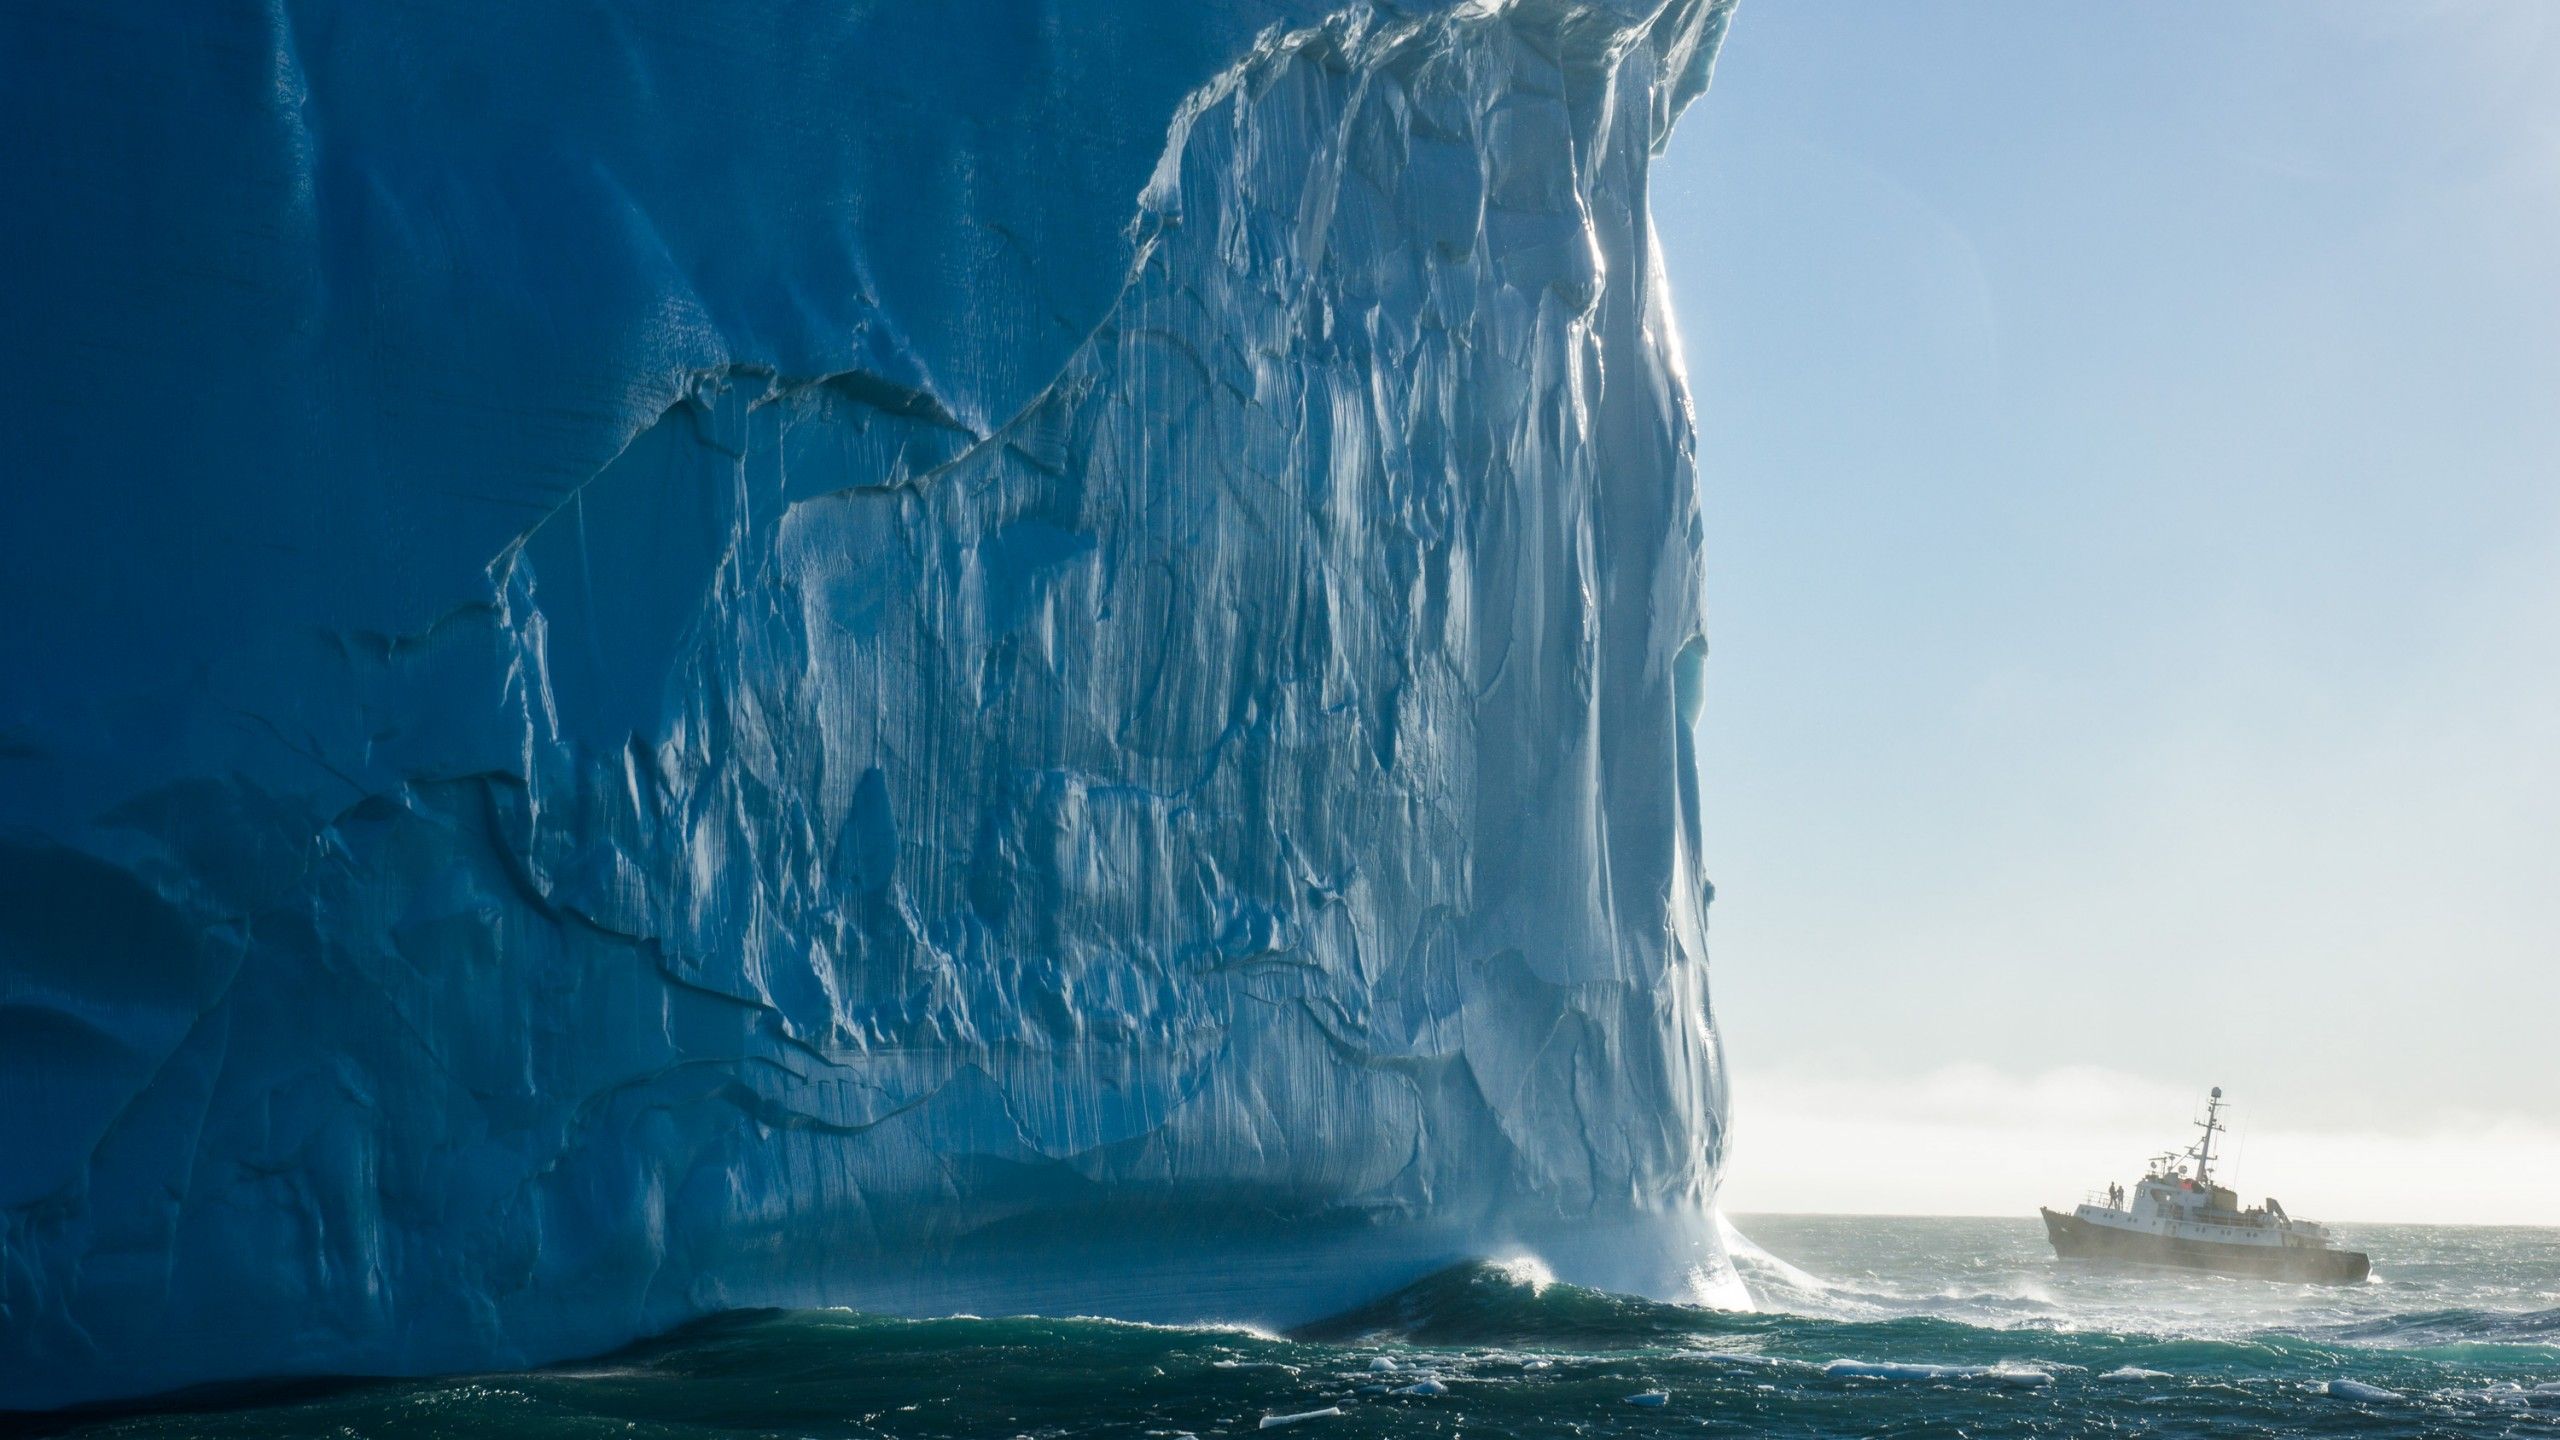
994, 657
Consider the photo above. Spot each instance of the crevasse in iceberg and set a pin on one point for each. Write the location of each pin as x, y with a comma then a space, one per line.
995, 657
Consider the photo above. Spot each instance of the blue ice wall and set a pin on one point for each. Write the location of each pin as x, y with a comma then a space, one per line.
968, 655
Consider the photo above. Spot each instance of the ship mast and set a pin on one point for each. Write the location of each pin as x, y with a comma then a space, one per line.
2203, 1152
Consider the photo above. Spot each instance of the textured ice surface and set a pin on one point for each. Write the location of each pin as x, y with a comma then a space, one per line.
978, 655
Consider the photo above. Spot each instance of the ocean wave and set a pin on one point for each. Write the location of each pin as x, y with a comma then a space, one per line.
1490, 1303
2527, 1327
1500, 1346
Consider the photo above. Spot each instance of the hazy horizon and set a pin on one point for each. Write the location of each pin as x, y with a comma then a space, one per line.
2134, 568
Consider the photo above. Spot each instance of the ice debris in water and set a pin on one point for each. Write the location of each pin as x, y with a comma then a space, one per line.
2006, 1373
1845, 1369
2358, 1390
2134, 1372
1651, 1398
1383, 1363
1424, 1387
1274, 1422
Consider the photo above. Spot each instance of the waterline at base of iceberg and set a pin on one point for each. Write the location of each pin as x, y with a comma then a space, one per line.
1894, 1341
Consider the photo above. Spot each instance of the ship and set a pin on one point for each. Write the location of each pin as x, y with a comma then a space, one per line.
2187, 1222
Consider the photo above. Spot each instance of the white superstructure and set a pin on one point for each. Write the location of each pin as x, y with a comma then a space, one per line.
2170, 1203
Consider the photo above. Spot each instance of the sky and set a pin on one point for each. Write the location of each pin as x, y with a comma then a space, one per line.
2130, 449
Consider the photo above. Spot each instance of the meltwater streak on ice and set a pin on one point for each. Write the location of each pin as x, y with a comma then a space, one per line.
1499, 1349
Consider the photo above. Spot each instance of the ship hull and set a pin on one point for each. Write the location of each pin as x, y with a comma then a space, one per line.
2076, 1239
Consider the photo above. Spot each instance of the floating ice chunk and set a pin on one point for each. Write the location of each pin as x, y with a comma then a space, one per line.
1887, 1370
1651, 1398
2358, 1390
1274, 1422
2134, 1372
1383, 1363
1539, 1364
1424, 1387
2006, 1373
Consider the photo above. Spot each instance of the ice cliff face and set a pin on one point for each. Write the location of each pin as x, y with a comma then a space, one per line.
916, 656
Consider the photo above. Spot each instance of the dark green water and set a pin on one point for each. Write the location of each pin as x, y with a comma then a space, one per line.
1915, 1327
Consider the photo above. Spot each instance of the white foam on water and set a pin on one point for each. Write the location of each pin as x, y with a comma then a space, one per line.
1758, 1268
2134, 1372
1739, 1357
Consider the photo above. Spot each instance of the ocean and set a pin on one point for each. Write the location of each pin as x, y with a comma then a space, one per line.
1867, 1326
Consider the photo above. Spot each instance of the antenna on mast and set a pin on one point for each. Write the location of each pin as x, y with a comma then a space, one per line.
2203, 1152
